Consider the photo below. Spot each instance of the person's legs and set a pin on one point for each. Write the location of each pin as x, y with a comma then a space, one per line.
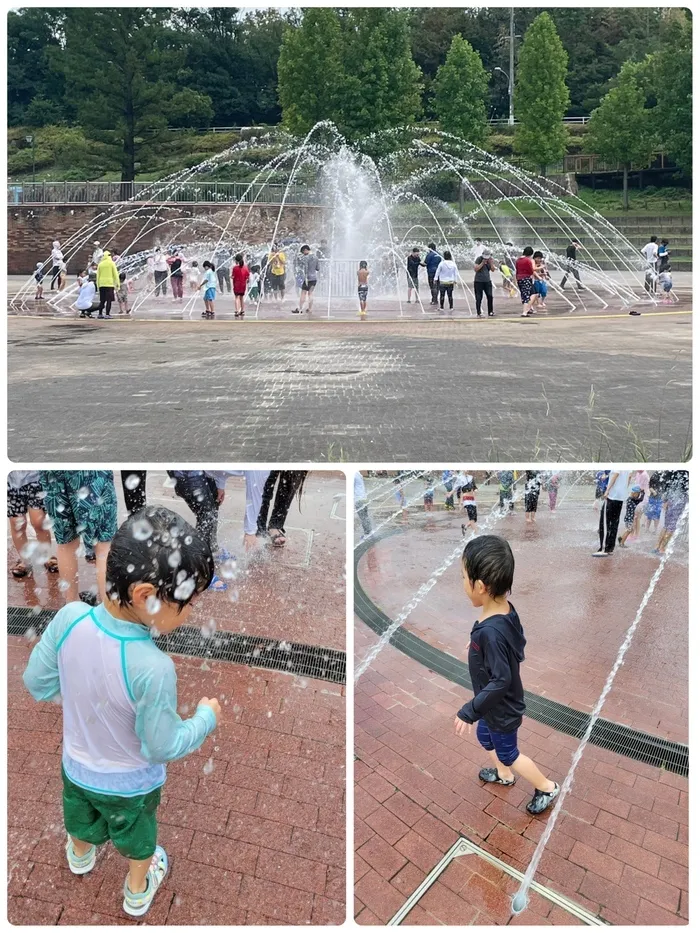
67, 555
134, 488
312, 286
488, 291
221, 276
103, 299
478, 295
363, 515
289, 483
443, 292
613, 510
450, 296
37, 517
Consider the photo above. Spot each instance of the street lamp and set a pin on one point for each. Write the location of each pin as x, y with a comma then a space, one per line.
511, 69
511, 120
30, 139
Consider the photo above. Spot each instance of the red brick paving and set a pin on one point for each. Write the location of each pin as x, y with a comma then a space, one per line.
309, 572
260, 840
570, 649
625, 861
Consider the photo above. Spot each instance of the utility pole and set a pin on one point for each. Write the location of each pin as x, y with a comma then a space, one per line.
511, 73
30, 139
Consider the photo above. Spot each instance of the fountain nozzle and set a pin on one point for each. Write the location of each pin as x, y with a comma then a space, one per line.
519, 902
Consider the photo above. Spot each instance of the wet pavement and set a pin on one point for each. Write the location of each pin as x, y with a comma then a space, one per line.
619, 848
575, 610
295, 593
574, 387
254, 822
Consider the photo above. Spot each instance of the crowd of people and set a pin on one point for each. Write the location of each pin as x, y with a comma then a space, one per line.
67, 508
657, 256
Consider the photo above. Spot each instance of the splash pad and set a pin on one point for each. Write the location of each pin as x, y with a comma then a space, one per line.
349, 206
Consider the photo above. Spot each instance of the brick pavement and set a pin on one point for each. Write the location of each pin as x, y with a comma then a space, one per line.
278, 593
620, 847
254, 822
575, 609
561, 389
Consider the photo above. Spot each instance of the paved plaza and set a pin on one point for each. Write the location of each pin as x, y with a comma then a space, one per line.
254, 821
569, 386
620, 845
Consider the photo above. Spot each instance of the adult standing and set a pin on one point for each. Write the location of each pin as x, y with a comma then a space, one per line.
362, 504
532, 494
25, 499
222, 261
432, 262
446, 277
612, 500
107, 282
56, 260
278, 271
160, 271
134, 489
483, 267
524, 273
571, 267
203, 496
650, 251
413, 264
278, 493
175, 261
309, 266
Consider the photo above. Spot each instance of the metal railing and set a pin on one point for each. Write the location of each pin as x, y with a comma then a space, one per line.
569, 121
193, 192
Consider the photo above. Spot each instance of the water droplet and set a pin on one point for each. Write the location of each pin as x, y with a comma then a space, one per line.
153, 605
209, 766
142, 529
132, 481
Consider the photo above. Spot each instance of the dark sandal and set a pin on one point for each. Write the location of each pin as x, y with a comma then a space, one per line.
490, 776
20, 570
51, 565
277, 537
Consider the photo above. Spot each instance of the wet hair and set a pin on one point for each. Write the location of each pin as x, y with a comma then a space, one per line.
363, 264
157, 546
489, 558
238, 258
664, 242
432, 246
208, 265
255, 268
652, 239
447, 254
416, 249
122, 276
305, 246
538, 254
195, 264
528, 251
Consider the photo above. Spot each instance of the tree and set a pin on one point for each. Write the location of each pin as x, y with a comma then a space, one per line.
541, 96
310, 70
672, 76
353, 67
461, 88
33, 34
121, 65
621, 130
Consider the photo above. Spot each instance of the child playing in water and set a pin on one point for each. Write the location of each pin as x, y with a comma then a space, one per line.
123, 294
469, 500
540, 276
666, 282
401, 499
429, 494
675, 499
193, 277
652, 512
254, 283
39, 279
209, 283
496, 651
635, 498
363, 287
239, 275
119, 697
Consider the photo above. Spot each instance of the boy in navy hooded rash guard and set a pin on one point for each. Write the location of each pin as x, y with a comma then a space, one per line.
496, 650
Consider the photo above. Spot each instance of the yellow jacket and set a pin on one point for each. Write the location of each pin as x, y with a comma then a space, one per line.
107, 272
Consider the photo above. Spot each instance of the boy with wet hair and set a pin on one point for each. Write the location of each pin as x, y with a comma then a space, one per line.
496, 651
119, 696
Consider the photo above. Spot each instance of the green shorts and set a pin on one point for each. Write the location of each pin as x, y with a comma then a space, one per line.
80, 503
130, 822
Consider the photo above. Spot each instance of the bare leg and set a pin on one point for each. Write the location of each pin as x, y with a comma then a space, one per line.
37, 517
527, 768
18, 530
137, 875
68, 568
101, 552
81, 848
504, 772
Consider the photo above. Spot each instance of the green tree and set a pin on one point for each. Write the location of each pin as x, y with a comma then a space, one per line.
310, 70
621, 129
672, 77
33, 35
121, 65
461, 88
541, 96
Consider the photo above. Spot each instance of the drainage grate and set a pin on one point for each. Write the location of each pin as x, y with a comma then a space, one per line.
651, 749
253, 650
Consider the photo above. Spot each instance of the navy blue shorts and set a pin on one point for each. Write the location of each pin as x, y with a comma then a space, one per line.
505, 744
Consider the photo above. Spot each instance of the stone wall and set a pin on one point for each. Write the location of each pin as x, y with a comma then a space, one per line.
32, 228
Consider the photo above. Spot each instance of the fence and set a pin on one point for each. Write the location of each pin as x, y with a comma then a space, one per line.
115, 192
569, 121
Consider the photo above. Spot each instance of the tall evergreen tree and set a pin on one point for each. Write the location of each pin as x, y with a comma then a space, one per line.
621, 129
541, 95
461, 89
672, 76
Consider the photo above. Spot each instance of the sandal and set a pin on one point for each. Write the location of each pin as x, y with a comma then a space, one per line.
51, 565
490, 776
21, 570
218, 584
277, 537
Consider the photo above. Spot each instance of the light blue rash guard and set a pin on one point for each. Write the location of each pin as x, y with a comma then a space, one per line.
119, 697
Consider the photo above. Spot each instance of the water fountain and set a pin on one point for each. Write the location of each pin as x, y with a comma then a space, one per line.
367, 208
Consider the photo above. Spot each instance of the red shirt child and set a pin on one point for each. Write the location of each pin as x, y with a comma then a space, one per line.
240, 276
524, 267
